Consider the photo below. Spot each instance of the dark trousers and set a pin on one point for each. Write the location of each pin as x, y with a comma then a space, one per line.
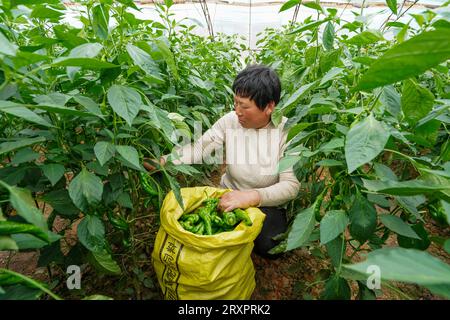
274, 224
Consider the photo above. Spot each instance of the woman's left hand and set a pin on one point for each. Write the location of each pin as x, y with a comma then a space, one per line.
239, 199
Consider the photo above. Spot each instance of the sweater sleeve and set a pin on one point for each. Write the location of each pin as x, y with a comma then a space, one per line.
207, 149
284, 190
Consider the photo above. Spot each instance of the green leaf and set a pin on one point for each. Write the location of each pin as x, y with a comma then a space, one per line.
85, 189
168, 57
61, 202
407, 242
392, 4
363, 218
364, 293
366, 38
309, 26
62, 110
6, 47
9, 227
53, 172
333, 144
91, 233
25, 155
168, 3
336, 249
130, 154
55, 99
100, 21
89, 104
364, 141
125, 201
330, 75
88, 63
46, 12
384, 172
18, 110
302, 228
391, 100
379, 200
7, 243
23, 142
404, 188
328, 36
104, 151
22, 201
417, 101
313, 5
447, 246
125, 101
440, 290
406, 265
20, 292
297, 129
336, 288
105, 263
446, 207
174, 185
408, 59
289, 4
86, 50
143, 60
160, 120
287, 162
399, 226
51, 253
410, 204
329, 163
27, 241
296, 96
332, 224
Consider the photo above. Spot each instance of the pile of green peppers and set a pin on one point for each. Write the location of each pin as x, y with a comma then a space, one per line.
208, 220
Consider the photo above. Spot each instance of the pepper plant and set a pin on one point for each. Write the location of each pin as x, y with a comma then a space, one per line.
369, 142
81, 106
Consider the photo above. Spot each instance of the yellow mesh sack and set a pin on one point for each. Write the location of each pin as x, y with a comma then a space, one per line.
204, 267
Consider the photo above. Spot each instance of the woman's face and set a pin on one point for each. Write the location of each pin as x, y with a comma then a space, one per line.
249, 115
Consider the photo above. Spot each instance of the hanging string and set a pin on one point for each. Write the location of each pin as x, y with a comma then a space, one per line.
250, 24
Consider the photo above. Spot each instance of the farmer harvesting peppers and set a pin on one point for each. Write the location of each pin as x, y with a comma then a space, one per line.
253, 143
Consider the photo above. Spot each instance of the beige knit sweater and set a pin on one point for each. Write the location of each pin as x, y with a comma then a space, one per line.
252, 157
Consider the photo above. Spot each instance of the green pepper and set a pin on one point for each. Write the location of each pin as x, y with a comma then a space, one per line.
201, 230
148, 185
211, 204
318, 201
196, 229
193, 217
126, 243
204, 215
217, 221
118, 222
187, 225
229, 218
279, 248
437, 212
242, 215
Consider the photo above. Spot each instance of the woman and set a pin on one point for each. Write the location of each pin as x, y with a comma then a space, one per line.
253, 146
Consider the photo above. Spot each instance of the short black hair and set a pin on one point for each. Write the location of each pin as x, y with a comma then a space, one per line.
258, 83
